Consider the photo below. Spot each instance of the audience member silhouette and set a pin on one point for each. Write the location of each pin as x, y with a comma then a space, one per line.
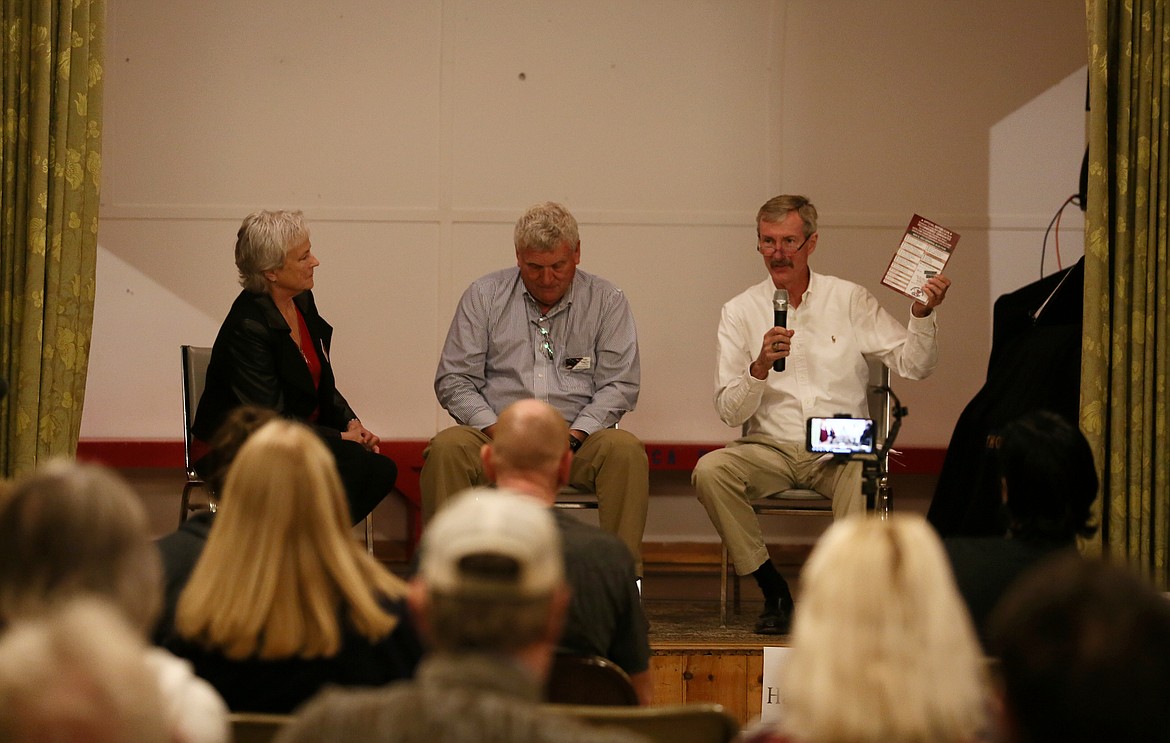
1084, 655
490, 597
1049, 484
882, 648
283, 601
79, 674
71, 530
181, 549
530, 454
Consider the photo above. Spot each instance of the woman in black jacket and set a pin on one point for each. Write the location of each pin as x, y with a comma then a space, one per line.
273, 351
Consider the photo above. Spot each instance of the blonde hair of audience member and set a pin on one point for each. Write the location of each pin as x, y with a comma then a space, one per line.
545, 227
78, 674
281, 559
70, 529
531, 441
882, 646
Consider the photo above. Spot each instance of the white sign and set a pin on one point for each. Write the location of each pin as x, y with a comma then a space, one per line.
771, 705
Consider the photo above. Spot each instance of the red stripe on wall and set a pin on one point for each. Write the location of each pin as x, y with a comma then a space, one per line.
664, 456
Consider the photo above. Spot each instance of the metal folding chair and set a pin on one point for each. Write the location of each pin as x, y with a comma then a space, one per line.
195, 362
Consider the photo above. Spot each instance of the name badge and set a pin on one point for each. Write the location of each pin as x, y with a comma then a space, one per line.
583, 363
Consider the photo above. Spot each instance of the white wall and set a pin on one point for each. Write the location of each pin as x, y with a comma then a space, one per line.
414, 133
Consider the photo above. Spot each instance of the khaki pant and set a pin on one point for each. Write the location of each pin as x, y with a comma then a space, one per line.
754, 467
611, 463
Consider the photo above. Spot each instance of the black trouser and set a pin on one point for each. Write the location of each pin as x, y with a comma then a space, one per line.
367, 476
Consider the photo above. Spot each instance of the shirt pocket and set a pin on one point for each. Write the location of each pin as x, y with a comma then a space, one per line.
575, 370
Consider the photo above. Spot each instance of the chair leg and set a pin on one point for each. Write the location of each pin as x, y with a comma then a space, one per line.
370, 533
724, 569
413, 523
185, 502
735, 607
723, 585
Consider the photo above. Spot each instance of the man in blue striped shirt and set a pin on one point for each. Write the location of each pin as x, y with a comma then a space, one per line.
547, 330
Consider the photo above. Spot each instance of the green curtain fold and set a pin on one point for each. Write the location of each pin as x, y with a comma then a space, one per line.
50, 162
1125, 350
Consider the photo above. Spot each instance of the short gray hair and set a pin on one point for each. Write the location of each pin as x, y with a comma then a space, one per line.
79, 672
545, 227
777, 208
263, 242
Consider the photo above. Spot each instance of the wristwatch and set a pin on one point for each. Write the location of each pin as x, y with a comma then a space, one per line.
574, 443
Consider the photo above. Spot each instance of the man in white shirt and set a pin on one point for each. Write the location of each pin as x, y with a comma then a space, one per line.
833, 327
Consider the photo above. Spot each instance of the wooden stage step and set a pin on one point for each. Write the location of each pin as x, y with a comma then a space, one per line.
695, 660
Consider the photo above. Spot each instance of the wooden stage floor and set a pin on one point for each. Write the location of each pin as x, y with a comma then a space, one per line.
693, 659
696, 624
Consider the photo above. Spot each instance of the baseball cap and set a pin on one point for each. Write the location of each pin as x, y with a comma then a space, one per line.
514, 534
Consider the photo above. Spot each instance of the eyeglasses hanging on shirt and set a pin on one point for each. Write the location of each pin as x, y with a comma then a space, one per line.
576, 363
542, 324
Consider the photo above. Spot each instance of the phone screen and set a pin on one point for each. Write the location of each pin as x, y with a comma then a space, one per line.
840, 435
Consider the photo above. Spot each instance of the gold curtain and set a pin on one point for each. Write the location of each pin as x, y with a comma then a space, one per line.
1125, 352
51, 167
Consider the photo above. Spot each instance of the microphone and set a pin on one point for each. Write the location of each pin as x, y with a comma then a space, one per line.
780, 312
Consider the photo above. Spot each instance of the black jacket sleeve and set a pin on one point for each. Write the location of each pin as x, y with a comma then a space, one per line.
256, 362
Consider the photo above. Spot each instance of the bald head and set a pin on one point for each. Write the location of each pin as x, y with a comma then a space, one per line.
530, 437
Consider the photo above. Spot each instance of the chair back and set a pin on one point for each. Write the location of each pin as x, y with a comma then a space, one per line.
589, 679
672, 723
195, 362
256, 727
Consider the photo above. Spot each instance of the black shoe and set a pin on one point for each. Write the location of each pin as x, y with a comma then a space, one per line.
775, 620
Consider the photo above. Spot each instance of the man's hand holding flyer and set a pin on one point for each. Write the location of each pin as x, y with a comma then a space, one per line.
924, 251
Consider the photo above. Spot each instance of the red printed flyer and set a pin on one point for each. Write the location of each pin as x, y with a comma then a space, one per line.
925, 249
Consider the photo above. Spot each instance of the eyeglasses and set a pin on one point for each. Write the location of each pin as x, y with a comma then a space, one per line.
787, 245
546, 339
